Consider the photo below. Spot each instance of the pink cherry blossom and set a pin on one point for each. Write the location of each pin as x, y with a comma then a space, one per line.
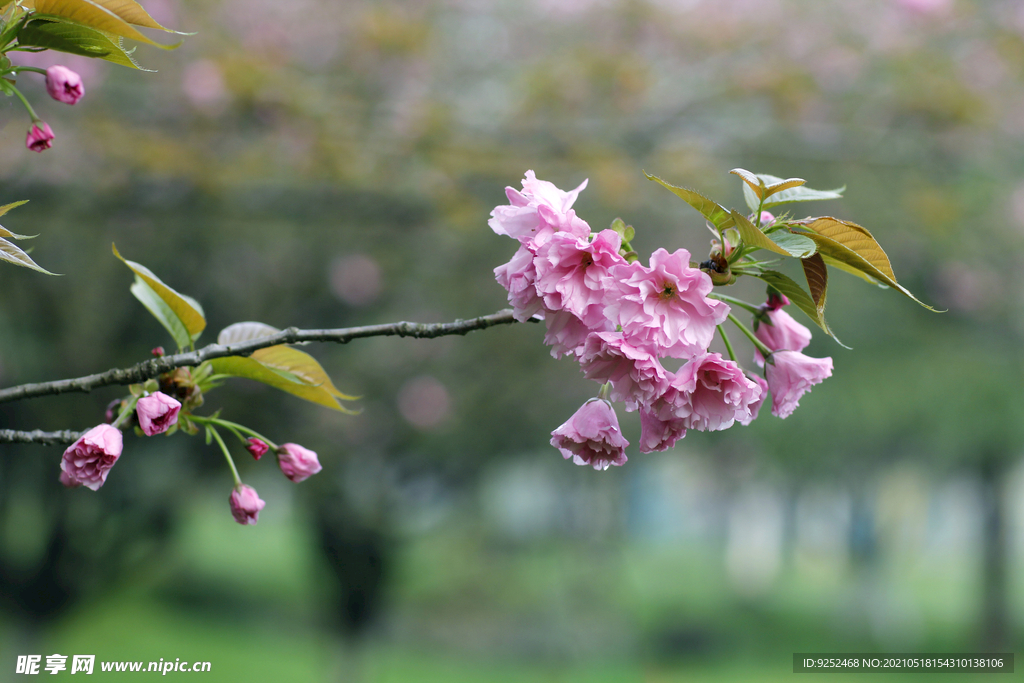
297, 463
87, 461
657, 434
755, 407
767, 218
245, 504
566, 334
778, 330
592, 436
64, 85
573, 274
40, 137
713, 393
665, 308
540, 209
256, 447
519, 277
637, 377
790, 374
157, 413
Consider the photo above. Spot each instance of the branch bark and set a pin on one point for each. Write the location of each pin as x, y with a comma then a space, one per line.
40, 437
152, 368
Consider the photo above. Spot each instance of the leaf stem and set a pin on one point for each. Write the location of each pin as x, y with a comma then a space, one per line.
728, 344
125, 412
31, 111
734, 301
227, 455
765, 351
234, 427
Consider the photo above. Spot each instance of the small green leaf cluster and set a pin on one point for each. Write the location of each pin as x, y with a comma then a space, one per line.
817, 242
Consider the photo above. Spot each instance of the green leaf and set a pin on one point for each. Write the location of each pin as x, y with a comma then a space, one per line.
799, 297
95, 14
781, 241
77, 40
853, 271
301, 364
785, 191
856, 247
797, 245
13, 205
711, 210
162, 312
133, 13
626, 232
188, 310
12, 253
249, 368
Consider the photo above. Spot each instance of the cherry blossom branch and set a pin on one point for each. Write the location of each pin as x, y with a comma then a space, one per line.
40, 437
152, 368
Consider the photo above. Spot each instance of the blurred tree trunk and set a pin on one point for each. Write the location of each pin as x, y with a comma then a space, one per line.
995, 593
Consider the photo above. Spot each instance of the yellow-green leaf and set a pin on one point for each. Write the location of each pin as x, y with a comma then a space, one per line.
714, 212
13, 205
250, 368
781, 241
77, 40
300, 364
853, 271
133, 13
186, 308
856, 247
13, 254
90, 13
148, 297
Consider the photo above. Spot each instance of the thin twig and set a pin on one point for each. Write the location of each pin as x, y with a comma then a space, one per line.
39, 436
157, 366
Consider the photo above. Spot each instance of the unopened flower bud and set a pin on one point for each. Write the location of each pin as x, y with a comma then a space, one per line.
245, 504
767, 218
158, 351
64, 85
257, 447
157, 413
87, 461
39, 137
297, 463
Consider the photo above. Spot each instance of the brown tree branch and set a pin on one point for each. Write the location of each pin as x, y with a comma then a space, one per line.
157, 366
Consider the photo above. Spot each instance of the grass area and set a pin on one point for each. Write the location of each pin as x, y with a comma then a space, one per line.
466, 608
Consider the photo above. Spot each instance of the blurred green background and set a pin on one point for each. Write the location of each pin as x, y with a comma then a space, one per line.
327, 164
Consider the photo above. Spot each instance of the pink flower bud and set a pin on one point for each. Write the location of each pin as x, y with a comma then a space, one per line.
157, 413
245, 504
64, 85
297, 463
38, 138
87, 461
257, 447
767, 218
592, 436
158, 351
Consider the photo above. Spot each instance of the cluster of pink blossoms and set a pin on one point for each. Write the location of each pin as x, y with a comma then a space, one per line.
619, 318
88, 460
